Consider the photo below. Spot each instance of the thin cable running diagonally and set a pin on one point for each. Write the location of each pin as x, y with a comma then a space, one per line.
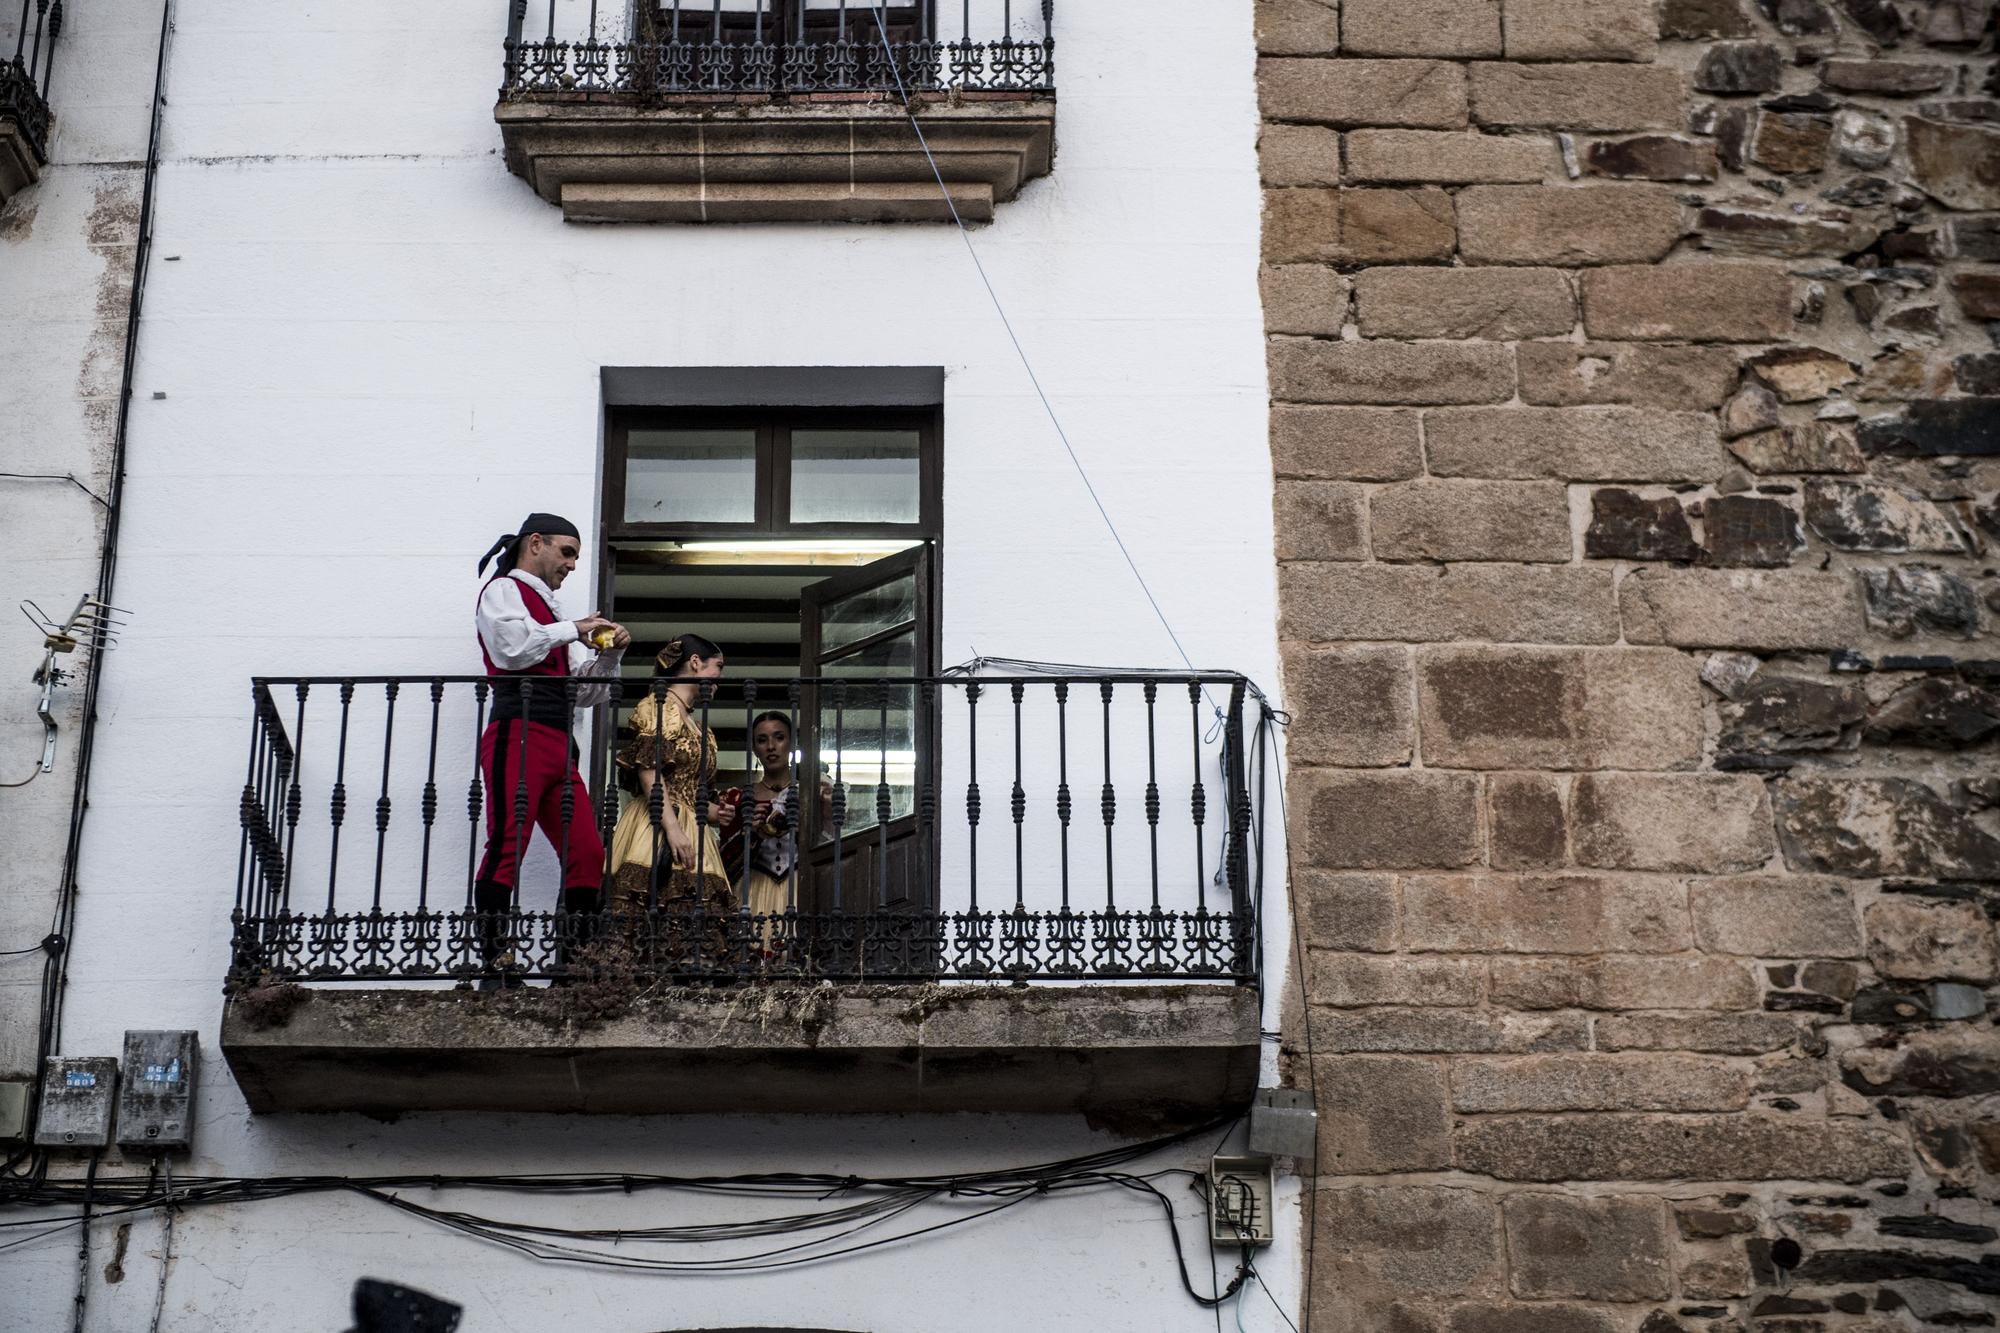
965, 235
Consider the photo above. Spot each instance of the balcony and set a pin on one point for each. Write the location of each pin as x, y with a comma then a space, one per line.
24, 94
778, 110
1027, 894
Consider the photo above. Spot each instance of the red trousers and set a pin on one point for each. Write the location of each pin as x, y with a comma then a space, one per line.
543, 771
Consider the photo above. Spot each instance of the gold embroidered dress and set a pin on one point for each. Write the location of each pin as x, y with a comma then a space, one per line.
673, 750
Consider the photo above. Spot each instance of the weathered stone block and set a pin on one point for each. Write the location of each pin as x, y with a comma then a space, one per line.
1739, 68
1969, 426
1904, 600
1627, 526
1775, 611
1935, 714
1706, 302
1957, 165
1566, 374
1948, 1062
1507, 604
1802, 374
1526, 827
1319, 520
1434, 1239
1791, 144
1722, 1034
1348, 226
1351, 980
1434, 157
1391, 373
1421, 27
1470, 520
1489, 303
1346, 911
1869, 827
1576, 1082
1775, 916
1777, 714
1873, 516
1299, 155
1627, 708
1303, 299
1648, 1147
1957, 22
1597, 97
1577, 224
1884, 78
1811, 446
1351, 706
1931, 941
1575, 444
1595, 1249
1449, 1030
1419, 93
1755, 233
1581, 30
1651, 157
1561, 914
1389, 820
1357, 443
1978, 294
1750, 531
1541, 1317
1703, 20
1706, 822
1297, 27
1623, 983
1751, 408
1381, 1113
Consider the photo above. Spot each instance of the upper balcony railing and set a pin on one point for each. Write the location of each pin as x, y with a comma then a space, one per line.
24, 77
1087, 827
683, 48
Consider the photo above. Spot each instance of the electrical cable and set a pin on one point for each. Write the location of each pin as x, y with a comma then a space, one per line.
166, 1248
58, 476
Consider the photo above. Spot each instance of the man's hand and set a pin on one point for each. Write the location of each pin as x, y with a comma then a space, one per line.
589, 625
620, 636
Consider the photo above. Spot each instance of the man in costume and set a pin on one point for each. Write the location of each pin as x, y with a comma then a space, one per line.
526, 754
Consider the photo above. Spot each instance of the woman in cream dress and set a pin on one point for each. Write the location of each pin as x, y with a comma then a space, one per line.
770, 824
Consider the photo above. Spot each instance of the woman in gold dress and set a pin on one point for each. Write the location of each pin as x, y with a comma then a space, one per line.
671, 750
769, 824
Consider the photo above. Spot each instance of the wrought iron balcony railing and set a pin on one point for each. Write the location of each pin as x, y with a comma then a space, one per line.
671, 48
1035, 828
24, 79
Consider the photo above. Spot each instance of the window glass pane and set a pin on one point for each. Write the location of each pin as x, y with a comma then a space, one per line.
869, 743
691, 476
854, 476
870, 611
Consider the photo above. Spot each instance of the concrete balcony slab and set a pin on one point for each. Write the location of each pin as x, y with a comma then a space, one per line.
1137, 1055
20, 163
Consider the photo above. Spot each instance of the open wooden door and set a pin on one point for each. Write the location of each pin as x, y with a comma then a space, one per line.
868, 741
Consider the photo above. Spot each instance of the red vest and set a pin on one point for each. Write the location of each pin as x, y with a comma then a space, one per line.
557, 662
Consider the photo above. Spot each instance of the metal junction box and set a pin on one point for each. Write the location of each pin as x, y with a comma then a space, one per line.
77, 1095
156, 1105
1240, 1193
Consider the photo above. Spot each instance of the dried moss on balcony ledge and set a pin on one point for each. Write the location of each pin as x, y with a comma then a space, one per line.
829, 157
1136, 1056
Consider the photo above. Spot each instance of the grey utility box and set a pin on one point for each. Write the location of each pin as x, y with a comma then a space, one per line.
1284, 1123
77, 1096
156, 1105
13, 1111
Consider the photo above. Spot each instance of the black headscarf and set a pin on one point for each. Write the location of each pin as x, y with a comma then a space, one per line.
508, 547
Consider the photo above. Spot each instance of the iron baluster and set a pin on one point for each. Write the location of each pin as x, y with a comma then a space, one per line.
745, 826
337, 807
1018, 804
475, 789
294, 798
795, 816
248, 806
1062, 781
656, 799
566, 802
839, 819
1109, 803
882, 805
972, 795
430, 801
1198, 799
702, 792
1048, 79
382, 800
1152, 692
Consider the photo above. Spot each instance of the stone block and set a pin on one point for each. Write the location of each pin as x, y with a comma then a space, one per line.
1884, 78
1800, 18
1957, 165
1809, 446
1353, 980
1703, 20
1703, 822
1700, 1147
1736, 69
1757, 233
1434, 157
1574, 224
1545, 914
1751, 531
1322, 226
1299, 155
1802, 374
1968, 426
1541, 1317
1581, 30
1875, 516
1351, 706
1580, 1082
1774, 611
1935, 714
1574, 444
1381, 1113
1627, 526
1595, 1249
1526, 827
1491, 303
1334, 602
1422, 94
1435, 1239
1351, 443
1566, 708
1346, 911
1870, 827
1903, 601
1456, 28
1297, 27
1775, 916
1955, 1061
1623, 983
1306, 299
1319, 520
1566, 374
1791, 144
1777, 714
1704, 302
1388, 820
1957, 22
1391, 373
1443, 1031
1470, 520
1651, 157
1720, 1034
1594, 97
1978, 295
1915, 940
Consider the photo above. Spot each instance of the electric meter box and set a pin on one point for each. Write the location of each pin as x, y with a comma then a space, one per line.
78, 1092
156, 1104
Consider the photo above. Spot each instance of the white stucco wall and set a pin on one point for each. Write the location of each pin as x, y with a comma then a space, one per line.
368, 348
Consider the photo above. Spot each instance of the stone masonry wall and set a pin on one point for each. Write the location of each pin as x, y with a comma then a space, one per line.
1636, 418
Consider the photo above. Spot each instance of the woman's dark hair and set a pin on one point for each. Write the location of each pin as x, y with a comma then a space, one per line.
779, 718
677, 652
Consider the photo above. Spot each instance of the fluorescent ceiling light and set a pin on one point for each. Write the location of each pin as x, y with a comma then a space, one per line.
823, 546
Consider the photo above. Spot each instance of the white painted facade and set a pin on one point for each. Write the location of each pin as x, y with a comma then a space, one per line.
367, 349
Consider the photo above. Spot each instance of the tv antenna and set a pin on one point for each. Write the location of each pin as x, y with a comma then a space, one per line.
94, 627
